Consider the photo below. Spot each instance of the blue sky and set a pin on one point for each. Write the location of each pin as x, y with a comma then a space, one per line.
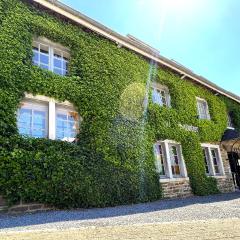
203, 35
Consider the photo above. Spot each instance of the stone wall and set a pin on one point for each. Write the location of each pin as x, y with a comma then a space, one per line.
176, 188
28, 207
22, 207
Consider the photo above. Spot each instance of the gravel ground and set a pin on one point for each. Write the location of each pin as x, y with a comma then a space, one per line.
223, 206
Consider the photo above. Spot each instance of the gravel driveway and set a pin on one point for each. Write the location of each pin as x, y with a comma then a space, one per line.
223, 206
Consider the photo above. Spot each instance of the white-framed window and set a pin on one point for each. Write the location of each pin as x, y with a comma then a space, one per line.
160, 95
169, 160
202, 108
43, 117
51, 56
213, 160
230, 124
33, 119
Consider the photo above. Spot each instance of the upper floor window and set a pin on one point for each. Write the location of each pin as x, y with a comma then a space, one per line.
42, 117
230, 120
160, 95
202, 107
169, 160
50, 56
212, 159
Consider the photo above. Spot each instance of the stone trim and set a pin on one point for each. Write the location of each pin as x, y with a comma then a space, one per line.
22, 207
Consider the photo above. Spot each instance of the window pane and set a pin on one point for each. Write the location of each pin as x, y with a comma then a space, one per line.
230, 120
62, 125
39, 120
24, 131
60, 135
57, 63
67, 125
206, 160
215, 160
24, 118
44, 66
72, 134
44, 59
62, 117
163, 97
174, 160
160, 159
65, 65
203, 109
156, 97
32, 122
65, 72
160, 97
60, 63
37, 133
58, 71
35, 57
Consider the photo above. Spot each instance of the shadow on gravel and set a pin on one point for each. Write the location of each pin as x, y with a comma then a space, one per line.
11, 221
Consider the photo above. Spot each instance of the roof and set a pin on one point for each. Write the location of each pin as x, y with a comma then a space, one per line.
133, 44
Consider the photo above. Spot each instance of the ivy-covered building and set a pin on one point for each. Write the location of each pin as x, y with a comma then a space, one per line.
92, 118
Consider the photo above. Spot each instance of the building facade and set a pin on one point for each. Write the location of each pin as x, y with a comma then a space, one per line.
93, 118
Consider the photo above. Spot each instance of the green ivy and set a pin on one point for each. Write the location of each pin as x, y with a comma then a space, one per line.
113, 161
234, 111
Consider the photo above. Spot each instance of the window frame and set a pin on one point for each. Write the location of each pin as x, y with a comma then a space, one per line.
51, 47
169, 176
208, 148
207, 112
52, 106
159, 87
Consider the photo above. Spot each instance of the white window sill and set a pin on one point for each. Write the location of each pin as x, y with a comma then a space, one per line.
220, 176
232, 128
180, 179
217, 176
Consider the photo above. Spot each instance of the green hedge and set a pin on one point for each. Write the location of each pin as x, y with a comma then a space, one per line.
113, 162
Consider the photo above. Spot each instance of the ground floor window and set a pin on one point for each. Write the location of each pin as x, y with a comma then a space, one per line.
213, 160
33, 119
42, 117
169, 160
